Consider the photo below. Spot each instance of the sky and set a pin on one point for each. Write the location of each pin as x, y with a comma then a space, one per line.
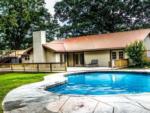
50, 5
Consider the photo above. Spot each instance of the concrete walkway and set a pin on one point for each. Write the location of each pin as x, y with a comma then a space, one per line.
33, 98
79, 69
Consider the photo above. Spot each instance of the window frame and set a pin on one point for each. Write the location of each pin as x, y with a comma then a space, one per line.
76, 59
114, 54
61, 58
121, 53
27, 58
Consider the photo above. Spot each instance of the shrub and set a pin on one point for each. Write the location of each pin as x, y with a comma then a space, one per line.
135, 52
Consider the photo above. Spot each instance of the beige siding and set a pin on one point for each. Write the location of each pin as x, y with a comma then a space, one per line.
147, 43
52, 57
147, 46
49, 56
103, 57
30, 59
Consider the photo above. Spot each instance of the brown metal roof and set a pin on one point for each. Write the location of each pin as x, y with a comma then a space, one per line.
98, 42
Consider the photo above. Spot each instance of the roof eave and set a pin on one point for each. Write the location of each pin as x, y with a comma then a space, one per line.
87, 50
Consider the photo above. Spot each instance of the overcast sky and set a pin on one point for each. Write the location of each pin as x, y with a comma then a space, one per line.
50, 5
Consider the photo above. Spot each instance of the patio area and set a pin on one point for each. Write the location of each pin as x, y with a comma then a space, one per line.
82, 69
33, 98
77, 69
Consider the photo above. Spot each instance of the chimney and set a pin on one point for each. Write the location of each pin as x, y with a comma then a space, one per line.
39, 38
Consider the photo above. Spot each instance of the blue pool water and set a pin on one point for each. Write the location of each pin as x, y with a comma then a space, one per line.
98, 83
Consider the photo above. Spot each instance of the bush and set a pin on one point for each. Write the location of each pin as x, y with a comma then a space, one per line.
135, 52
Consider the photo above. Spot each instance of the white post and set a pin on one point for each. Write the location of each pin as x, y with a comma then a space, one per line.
39, 38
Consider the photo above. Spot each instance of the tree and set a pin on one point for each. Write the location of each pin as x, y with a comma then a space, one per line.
135, 52
19, 18
85, 17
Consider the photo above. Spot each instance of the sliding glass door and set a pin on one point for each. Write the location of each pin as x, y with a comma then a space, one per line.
78, 59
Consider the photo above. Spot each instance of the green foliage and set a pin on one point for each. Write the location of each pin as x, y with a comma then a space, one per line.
85, 17
135, 52
10, 81
19, 18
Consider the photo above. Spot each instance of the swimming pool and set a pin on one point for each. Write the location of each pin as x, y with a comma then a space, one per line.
102, 83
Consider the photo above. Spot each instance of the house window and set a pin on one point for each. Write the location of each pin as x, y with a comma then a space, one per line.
121, 56
76, 59
27, 57
61, 58
82, 58
114, 55
65, 57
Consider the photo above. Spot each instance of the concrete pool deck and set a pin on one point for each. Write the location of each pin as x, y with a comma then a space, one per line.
33, 98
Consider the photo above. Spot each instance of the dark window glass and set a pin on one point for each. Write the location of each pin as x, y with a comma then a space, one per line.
81, 58
76, 58
114, 55
121, 56
27, 57
65, 57
61, 58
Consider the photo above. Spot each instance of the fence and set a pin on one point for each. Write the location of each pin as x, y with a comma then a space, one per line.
34, 67
121, 63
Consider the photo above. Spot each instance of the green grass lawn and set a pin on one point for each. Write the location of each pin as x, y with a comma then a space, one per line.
10, 81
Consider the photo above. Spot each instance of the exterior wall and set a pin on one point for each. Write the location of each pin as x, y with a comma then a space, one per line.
147, 45
147, 42
103, 57
39, 38
30, 59
51, 56
147, 56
